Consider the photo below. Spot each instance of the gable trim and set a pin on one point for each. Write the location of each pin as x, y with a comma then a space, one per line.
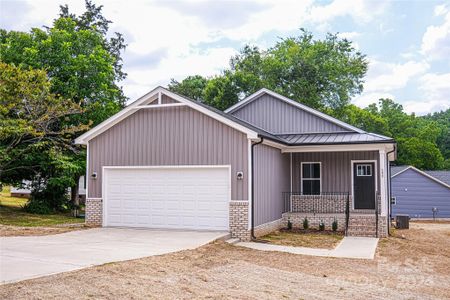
293, 103
137, 105
422, 173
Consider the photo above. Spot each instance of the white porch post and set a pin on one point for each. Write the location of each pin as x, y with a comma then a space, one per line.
383, 183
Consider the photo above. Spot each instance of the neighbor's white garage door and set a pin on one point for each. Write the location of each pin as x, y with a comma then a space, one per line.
183, 198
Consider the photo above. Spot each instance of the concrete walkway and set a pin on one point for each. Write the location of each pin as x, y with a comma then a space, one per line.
34, 256
349, 247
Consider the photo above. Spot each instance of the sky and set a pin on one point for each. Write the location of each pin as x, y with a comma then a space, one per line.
407, 43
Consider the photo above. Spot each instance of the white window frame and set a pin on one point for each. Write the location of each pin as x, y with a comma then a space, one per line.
368, 167
301, 175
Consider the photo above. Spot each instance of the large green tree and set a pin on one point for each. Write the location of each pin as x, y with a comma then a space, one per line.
320, 73
83, 64
33, 126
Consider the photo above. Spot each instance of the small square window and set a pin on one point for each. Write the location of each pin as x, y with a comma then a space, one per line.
364, 170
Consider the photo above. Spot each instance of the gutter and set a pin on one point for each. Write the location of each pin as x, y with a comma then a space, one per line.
390, 189
253, 189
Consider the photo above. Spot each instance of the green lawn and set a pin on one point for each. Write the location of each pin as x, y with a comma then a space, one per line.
11, 213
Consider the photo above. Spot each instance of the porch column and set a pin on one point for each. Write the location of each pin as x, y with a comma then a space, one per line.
383, 183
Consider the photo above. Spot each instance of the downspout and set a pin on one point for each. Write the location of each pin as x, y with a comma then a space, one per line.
253, 189
390, 189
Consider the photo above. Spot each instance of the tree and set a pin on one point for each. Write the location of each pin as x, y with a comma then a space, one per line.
83, 65
192, 87
32, 124
320, 73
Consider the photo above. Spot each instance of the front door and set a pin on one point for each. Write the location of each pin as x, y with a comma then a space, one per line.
364, 185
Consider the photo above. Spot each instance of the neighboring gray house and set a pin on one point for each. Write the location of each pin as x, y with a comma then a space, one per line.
417, 192
166, 161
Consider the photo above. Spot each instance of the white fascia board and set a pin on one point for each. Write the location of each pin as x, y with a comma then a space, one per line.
339, 148
294, 103
135, 106
423, 173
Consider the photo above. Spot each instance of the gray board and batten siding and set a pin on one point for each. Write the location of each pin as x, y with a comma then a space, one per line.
271, 179
336, 169
279, 117
416, 195
170, 136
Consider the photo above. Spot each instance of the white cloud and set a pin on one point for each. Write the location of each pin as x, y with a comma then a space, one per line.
440, 10
436, 40
367, 98
424, 107
436, 88
386, 77
361, 11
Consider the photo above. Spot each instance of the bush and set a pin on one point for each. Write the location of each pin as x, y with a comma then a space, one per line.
289, 224
321, 226
334, 225
305, 223
47, 201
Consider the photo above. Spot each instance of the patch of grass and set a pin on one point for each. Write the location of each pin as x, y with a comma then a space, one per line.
326, 240
12, 213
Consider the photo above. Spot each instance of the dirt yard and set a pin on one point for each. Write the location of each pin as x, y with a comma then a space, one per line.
414, 264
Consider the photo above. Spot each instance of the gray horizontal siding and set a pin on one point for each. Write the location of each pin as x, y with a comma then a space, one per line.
170, 136
417, 194
336, 168
277, 116
271, 179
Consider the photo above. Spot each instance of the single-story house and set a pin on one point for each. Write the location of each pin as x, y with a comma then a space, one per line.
418, 193
24, 191
166, 161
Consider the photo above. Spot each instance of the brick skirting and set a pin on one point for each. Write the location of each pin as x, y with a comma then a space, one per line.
314, 220
239, 220
267, 228
94, 212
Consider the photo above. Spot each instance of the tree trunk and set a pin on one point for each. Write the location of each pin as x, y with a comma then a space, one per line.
74, 194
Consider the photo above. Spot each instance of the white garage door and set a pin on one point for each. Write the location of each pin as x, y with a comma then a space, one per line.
183, 198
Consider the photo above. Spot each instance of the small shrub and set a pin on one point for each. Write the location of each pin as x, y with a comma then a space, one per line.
321, 226
289, 224
334, 225
305, 223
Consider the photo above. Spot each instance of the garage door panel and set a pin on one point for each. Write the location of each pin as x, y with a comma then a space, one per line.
190, 198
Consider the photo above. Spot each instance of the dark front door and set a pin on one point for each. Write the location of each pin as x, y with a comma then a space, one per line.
364, 185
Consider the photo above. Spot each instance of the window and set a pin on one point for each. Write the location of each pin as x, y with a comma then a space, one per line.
364, 170
311, 178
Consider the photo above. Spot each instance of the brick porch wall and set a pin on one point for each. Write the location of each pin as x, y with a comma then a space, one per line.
310, 203
314, 220
94, 212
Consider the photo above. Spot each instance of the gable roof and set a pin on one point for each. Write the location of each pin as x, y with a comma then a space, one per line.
296, 104
150, 97
444, 174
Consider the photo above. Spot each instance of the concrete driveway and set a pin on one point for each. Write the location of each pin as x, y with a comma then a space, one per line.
29, 257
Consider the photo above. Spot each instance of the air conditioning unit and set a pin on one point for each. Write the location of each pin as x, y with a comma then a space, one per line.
402, 221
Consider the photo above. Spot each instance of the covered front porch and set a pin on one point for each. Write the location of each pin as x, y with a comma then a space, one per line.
333, 183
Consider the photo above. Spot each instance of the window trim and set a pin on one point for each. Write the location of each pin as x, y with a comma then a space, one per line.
301, 175
365, 165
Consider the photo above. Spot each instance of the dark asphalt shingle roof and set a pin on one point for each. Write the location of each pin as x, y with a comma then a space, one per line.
397, 169
443, 176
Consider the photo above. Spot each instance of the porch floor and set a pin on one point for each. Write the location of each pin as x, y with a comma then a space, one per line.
349, 247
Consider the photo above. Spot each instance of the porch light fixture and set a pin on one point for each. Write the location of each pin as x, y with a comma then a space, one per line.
240, 175
94, 175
